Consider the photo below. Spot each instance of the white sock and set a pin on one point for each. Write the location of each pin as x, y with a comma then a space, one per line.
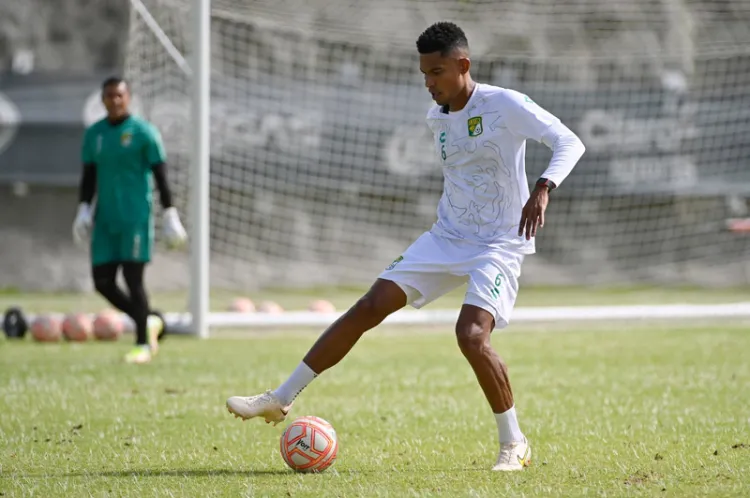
507, 426
296, 382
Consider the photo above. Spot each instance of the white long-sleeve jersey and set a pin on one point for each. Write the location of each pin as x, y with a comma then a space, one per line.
482, 149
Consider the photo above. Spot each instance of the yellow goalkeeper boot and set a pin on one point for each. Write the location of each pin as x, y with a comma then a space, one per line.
139, 354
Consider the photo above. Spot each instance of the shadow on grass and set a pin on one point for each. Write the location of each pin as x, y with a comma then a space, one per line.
165, 473
229, 472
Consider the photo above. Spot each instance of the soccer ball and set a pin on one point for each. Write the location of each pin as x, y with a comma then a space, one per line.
321, 306
77, 327
46, 328
108, 326
309, 444
242, 305
270, 307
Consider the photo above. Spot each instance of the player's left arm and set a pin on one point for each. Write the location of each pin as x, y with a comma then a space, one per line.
527, 119
86, 192
156, 157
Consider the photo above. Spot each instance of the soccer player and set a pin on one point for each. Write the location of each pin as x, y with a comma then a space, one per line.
120, 155
486, 223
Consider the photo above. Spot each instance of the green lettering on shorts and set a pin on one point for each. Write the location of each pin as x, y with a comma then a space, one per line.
495, 291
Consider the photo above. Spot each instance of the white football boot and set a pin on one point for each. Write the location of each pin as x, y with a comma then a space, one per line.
266, 405
514, 456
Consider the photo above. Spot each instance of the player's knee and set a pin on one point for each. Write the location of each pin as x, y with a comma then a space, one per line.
374, 306
133, 275
473, 336
104, 284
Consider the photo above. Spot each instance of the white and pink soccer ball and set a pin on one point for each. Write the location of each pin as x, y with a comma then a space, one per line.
46, 328
77, 327
242, 305
309, 444
321, 306
108, 325
270, 307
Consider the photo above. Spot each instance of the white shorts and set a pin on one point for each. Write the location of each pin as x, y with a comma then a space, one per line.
433, 266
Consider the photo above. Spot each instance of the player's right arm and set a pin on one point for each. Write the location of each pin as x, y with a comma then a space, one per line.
86, 192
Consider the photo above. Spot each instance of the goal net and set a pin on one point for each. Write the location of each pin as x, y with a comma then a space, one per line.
322, 170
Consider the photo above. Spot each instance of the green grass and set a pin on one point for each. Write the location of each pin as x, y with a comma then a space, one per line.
292, 299
643, 411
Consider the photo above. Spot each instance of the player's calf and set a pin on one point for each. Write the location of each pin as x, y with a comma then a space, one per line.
384, 298
473, 331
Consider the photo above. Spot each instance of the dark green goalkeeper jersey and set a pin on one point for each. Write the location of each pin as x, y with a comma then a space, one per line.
123, 155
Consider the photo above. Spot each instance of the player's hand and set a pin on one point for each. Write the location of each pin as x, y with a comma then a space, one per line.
82, 224
532, 216
174, 232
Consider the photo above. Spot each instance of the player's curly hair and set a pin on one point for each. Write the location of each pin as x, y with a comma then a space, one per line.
442, 37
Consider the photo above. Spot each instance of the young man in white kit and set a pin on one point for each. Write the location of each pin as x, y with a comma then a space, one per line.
486, 223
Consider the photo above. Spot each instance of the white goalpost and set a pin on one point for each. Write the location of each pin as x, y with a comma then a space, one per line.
198, 70
298, 149
200, 178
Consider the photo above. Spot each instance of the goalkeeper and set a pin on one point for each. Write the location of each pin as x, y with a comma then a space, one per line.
120, 153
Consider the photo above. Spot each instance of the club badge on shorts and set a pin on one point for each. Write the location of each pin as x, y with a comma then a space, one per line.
395, 262
475, 126
126, 139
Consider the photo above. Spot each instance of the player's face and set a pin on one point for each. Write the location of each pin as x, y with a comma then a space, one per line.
116, 99
444, 76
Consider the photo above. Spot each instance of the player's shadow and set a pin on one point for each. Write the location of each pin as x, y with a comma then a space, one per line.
176, 473
226, 472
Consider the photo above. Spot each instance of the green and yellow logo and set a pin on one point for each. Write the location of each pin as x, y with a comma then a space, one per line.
126, 139
395, 262
475, 126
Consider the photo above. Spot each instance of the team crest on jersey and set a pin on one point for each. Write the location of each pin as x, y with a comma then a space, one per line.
475, 126
126, 139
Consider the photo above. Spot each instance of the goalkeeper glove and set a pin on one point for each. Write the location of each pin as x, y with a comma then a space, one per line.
174, 232
82, 224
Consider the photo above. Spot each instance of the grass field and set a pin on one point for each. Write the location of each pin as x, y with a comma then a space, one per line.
660, 410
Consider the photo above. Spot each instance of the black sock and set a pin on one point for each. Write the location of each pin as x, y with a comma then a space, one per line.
133, 273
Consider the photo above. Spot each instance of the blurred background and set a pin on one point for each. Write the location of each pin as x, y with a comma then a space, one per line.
322, 170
